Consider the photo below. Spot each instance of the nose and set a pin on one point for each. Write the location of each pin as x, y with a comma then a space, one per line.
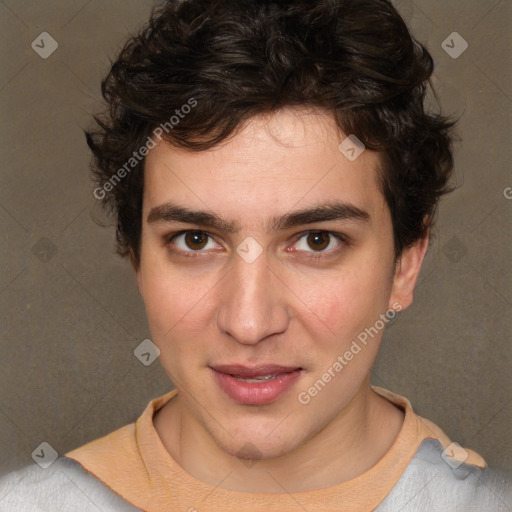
253, 302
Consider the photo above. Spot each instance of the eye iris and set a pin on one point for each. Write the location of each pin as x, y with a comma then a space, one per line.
196, 239
318, 241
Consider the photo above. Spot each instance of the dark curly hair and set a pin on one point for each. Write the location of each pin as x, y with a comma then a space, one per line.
199, 69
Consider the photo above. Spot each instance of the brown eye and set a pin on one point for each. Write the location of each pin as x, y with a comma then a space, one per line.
318, 241
191, 243
196, 240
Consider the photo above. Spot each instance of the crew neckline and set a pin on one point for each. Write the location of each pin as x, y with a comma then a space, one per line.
381, 477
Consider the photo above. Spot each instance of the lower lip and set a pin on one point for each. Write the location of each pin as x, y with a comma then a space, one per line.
256, 393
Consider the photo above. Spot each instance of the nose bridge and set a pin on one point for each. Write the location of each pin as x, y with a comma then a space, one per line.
252, 305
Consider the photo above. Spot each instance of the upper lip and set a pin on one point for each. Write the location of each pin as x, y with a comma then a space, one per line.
257, 371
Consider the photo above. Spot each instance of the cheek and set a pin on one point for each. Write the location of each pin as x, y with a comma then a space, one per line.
347, 302
170, 310
162, 301
166, 297
178, 302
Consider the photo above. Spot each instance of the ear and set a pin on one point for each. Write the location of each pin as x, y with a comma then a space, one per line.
406, 273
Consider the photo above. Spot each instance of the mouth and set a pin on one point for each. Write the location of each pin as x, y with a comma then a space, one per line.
255, 386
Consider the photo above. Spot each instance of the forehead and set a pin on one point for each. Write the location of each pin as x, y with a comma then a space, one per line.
274, 163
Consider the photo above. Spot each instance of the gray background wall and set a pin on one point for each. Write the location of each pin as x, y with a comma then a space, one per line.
70, 314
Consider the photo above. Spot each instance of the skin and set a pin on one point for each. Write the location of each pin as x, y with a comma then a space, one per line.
287, 307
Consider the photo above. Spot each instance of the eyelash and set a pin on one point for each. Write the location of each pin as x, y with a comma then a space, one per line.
343, 239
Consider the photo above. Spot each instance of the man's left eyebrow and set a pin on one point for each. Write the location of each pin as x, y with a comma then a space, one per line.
322, 213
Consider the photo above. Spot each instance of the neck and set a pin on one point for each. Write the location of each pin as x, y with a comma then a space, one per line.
354, 441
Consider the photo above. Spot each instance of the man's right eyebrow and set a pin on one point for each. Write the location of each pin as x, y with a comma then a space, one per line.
169, 212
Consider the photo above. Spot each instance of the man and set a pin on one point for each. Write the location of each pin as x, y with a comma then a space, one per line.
274, 177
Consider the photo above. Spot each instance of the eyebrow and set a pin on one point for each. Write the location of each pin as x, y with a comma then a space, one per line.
170, 212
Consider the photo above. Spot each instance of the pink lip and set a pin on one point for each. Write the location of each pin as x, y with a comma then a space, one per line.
255, 393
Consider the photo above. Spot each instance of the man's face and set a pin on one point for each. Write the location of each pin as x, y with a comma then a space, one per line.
267, 291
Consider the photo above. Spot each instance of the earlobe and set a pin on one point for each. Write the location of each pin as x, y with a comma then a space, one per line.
406, 273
